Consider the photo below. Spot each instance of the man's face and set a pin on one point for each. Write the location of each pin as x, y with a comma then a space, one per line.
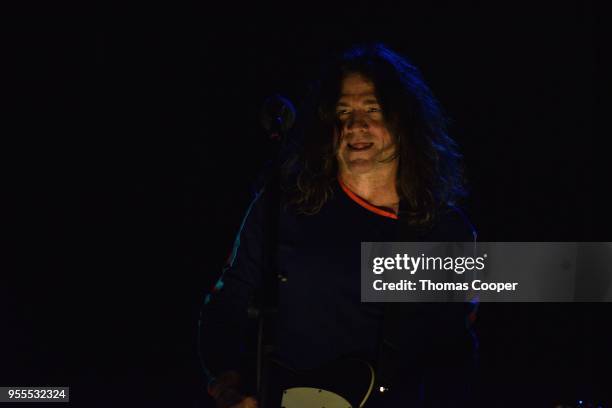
364, 142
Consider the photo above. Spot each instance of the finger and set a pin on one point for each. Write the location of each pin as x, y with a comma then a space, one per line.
250, 402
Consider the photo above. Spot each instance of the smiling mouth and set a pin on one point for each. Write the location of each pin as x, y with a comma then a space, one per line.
359, 146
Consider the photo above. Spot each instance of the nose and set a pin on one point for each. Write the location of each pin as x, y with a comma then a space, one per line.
357, 120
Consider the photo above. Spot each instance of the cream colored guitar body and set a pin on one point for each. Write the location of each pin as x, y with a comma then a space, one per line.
346, 383
306, 397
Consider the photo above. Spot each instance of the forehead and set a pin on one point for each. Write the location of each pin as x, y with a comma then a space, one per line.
356, 86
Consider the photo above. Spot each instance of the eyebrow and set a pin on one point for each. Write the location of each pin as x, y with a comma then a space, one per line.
369, 101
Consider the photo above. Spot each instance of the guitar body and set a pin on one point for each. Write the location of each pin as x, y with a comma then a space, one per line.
346, 383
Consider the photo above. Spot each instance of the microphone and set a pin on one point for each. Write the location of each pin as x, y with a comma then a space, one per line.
277, 116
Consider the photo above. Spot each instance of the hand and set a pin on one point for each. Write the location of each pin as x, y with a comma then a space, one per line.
248, 402
225, 392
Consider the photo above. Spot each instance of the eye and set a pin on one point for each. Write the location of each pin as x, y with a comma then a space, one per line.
342, 111
374, 110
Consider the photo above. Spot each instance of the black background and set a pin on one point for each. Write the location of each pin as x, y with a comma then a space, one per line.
132, 136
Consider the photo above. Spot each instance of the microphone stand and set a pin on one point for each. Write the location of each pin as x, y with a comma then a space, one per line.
268, 304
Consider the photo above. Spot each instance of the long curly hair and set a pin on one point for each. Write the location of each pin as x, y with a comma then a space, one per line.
430, 174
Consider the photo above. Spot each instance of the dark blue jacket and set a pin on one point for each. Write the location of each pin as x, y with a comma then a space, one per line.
320, 313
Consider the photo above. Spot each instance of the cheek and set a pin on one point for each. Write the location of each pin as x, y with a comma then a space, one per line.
388, 139
381, 135
384, 135
338, 138
387, 143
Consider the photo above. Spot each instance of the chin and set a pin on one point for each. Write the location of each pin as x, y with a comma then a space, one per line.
359, 165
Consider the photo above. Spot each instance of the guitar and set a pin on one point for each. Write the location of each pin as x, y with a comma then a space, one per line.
346, 383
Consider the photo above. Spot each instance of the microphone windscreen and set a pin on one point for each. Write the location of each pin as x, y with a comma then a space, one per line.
277, 114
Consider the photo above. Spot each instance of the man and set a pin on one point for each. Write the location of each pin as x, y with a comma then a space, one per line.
375, 164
